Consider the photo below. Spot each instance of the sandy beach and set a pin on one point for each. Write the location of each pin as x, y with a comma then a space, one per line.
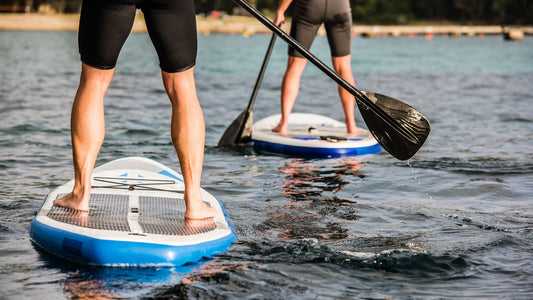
243, 25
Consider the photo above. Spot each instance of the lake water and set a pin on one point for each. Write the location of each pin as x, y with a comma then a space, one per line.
455, 221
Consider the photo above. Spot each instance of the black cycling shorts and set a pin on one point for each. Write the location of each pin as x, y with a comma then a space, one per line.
336, 15
105, 25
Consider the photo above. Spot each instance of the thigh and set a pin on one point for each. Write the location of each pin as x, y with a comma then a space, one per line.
104, 27
307, 18
338, 24
172, 27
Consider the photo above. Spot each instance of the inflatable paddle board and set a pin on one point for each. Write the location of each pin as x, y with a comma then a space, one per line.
136, 218
310, 135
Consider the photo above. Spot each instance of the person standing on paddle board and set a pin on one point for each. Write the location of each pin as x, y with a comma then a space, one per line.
307, 17
104, 27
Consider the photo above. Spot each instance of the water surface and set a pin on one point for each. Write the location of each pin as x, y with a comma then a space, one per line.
455, 221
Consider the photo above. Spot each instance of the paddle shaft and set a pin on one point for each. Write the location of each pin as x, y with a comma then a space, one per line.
343, 83
240, 129
260, 76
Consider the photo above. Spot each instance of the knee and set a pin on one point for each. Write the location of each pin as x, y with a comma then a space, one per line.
343, 69
95, 79
342, 65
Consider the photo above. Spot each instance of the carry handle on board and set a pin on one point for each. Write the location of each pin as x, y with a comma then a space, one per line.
399, 128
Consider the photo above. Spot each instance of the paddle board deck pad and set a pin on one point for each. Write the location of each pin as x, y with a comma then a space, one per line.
310, 135
136, 218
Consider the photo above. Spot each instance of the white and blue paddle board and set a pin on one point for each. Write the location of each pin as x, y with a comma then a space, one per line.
311, 135
136, 218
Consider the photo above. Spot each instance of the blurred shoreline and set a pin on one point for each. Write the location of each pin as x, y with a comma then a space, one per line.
249, 26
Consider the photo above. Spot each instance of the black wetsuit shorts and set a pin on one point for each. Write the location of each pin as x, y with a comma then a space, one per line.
336, 15
105, 25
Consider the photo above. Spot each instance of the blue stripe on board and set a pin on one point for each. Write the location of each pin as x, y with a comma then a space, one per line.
109, 252
168, 174
309, 138
300, 151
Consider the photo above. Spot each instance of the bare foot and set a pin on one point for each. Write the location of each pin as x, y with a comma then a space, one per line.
199, 211
69, 201
199, 224
81, 217
280, 129
354, 130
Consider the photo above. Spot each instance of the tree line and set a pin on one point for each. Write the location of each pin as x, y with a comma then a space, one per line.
504, 12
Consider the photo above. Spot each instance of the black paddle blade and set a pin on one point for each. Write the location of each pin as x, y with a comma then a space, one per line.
400, 144
238, 131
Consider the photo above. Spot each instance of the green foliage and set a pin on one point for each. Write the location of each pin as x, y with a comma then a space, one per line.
507, 12
460, 11
513, 11
381, 11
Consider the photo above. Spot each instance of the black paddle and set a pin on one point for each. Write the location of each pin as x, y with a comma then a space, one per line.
240, 130
398, 127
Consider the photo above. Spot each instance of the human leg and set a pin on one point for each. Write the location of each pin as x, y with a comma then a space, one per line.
307, 18
87, 132
104, 26
172, 28
188, 135
338, 24
342, 66
289, 90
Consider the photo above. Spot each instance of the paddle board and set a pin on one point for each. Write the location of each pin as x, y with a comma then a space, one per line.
136, 218
311, 135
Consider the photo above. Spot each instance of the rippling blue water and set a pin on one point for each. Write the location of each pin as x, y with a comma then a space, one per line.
455, 221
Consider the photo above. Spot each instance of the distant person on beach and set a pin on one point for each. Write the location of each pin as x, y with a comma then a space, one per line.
104, 27
307, 17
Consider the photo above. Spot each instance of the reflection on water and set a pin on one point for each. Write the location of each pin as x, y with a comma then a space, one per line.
306, 213
95, 282
305, 179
